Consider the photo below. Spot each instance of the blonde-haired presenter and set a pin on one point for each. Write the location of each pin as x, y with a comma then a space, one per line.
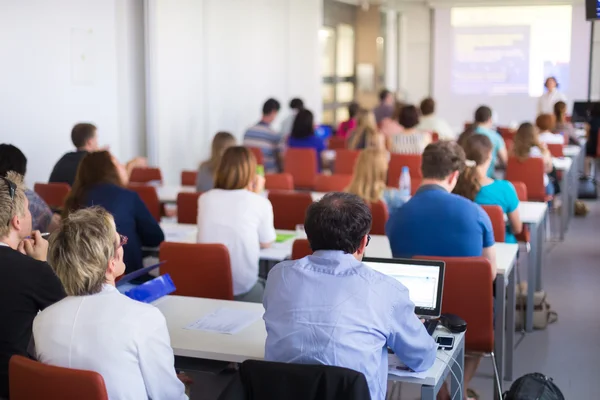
97, 328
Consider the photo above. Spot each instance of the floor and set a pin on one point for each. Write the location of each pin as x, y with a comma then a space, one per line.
568, 350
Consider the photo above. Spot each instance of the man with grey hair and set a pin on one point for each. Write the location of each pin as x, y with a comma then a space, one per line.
27, 283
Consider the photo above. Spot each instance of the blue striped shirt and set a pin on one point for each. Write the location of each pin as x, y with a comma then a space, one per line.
268, 140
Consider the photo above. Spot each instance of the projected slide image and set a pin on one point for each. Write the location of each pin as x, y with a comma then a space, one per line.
509, 50
490, 60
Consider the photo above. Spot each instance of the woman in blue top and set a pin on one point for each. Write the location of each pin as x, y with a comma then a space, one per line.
474, 184
100, 181
303, 135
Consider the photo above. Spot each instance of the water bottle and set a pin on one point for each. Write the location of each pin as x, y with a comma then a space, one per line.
404, 184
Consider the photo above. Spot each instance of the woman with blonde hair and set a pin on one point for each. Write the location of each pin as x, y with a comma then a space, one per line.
527, 144
369, 179
366, 135
474, 184
205, 179
236, 215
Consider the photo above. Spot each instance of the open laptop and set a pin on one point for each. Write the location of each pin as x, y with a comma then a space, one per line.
424, 280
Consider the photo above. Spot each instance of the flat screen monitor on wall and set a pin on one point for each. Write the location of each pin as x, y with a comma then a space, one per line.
592, 9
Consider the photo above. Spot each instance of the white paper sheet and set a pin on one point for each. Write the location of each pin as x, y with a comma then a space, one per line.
397, 367
226, 320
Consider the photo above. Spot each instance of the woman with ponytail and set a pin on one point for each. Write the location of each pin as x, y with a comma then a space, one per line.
474, 184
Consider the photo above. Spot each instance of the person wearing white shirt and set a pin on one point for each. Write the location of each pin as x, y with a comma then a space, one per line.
296, 105
551, 97
96, 328
236, 215
545, 123
430, 122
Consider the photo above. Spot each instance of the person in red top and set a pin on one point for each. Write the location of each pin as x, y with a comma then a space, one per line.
347, 126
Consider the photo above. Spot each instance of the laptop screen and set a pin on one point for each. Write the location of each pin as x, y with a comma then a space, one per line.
423, 279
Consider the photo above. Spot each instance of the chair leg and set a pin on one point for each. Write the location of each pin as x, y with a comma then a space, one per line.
496, 376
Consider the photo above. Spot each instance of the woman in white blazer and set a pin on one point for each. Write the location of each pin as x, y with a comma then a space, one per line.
97, 328
551, 97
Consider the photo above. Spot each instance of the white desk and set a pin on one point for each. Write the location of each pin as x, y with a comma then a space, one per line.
248, 344
168, 193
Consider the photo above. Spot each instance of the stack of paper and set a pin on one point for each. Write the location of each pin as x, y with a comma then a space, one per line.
397, 367
226, 320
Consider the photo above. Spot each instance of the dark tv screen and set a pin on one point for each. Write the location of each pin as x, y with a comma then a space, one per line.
592, 9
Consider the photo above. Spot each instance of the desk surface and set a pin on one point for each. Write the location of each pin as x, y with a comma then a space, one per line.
379, 247
180, 311
571, 150
562, 164
168, 193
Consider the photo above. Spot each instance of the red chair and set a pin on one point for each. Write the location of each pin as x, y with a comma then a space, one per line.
279, 182
414, 185
187, 207
397, 161
188, 178
289, 208
476, 306
302, 165
521, 190
300, 249
149, 197
507, 133
54, 194
29, 379
258, 154
336, 143
332, 183
198, 269
468, 125
556, 150
497, 217
435, 137
380, 215
145, 175
531, 173
345, 160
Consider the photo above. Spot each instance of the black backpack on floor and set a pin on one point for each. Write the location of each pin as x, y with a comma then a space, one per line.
533, 387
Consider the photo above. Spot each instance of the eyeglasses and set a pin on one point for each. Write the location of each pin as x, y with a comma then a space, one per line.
12, 189
368, 240
122, 241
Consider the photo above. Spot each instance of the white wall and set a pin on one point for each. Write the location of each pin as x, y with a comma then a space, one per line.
39, 102
596, 63
212, 64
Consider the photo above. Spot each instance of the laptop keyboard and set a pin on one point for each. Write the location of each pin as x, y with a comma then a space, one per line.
430, 325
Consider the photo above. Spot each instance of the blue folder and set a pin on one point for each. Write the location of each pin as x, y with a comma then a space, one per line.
152, 290
136, 274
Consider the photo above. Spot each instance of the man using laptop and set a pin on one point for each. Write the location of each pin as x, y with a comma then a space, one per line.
330, 308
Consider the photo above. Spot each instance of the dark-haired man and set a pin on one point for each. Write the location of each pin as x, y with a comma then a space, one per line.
264, 137
85, 140
330, 308
483, 126
430, 122
385, 109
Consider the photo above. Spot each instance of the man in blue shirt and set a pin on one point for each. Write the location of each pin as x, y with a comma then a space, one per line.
436, 222
330, 308
266, 138
483, 126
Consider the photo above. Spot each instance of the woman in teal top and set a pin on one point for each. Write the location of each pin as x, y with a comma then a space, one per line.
474, 183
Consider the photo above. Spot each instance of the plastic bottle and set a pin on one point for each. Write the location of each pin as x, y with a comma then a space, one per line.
404, 184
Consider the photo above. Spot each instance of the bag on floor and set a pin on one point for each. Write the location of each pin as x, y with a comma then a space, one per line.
533, 387
588, 188
542, 313
581, 209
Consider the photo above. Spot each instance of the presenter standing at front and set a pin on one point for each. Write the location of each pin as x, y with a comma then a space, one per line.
551, 97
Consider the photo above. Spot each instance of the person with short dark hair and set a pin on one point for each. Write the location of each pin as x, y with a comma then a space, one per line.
303, 135
551, 97
340, 311
296, 105
410, 140
430, 122
484, 126
13, 159
438, 223
385, 109
346, 127
264, 137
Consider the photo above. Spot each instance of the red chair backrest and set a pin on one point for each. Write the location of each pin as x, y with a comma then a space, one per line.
198, 269
279, 182
475, 306
397, 161
188, 178
300, 249
332, 183
258, 154
507, 133
336, 142
468, 125
497, 217
555, 149
149, 197
435, 137
145, 175
302, 165
187, 207
289, 208
29, 379
531, 173
345, 160
380, 215
598, 145
54, 194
